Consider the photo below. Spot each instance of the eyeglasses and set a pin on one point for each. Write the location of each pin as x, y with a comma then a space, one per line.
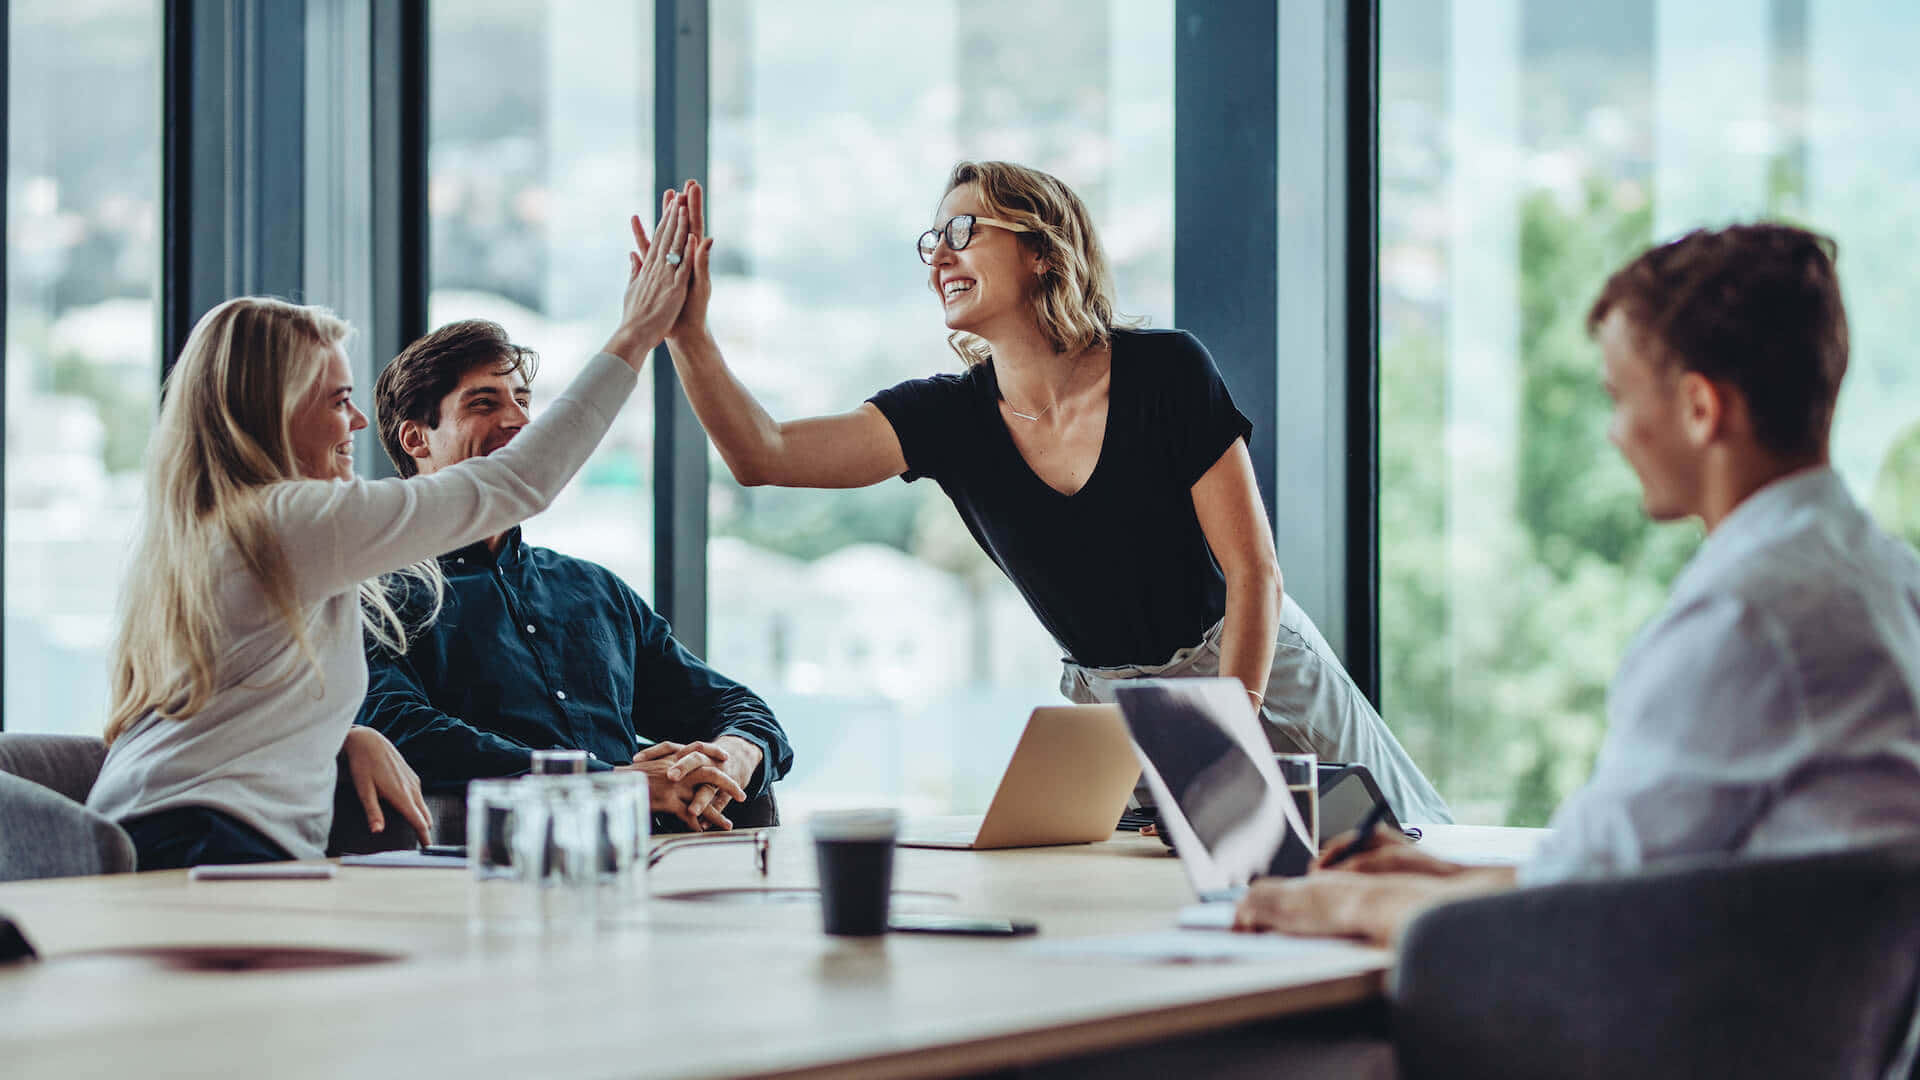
757, 837
959, 231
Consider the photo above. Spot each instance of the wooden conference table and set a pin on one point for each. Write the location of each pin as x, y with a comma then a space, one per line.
678, 988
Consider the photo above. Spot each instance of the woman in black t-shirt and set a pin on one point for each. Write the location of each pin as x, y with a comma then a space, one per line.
1104, 469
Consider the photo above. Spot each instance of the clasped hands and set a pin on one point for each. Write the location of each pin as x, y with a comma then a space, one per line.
698, 780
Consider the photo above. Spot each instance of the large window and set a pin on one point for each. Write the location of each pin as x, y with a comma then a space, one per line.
1527, 148
900, 660
82, 364
541, 144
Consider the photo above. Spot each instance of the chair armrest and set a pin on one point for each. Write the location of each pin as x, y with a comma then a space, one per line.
45, 834
1781, 967
68, 764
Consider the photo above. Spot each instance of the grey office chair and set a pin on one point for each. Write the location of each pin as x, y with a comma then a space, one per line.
1768, 967
48, 831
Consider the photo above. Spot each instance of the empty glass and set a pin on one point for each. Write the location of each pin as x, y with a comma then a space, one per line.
623, 820
557, 853
1301, 775
500, 898
558, 762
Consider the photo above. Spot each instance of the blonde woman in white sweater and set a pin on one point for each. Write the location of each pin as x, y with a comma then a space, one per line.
238, 665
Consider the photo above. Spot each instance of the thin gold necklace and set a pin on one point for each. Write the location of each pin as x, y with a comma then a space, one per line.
1071, 372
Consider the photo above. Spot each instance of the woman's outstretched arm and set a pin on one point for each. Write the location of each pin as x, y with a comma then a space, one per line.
850, 449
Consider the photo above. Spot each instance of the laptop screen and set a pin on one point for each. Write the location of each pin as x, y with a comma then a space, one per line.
1212, 773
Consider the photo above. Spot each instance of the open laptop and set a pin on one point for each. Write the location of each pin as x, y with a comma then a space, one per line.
1217, 790
1067, 783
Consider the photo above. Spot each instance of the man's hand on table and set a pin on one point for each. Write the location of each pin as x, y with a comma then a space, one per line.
1385, 852
1373, 905
696, 781
379, 772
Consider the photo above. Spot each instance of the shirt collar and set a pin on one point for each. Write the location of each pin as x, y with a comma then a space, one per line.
1763, 515
477, 555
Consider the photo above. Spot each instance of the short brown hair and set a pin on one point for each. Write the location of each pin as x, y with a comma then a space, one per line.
1756, 307
425, 372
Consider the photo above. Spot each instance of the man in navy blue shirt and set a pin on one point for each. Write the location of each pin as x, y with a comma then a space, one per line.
535, 650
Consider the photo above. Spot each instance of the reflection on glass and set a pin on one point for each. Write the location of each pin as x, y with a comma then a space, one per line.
82, 363
1527, 148
541, 145
899, 659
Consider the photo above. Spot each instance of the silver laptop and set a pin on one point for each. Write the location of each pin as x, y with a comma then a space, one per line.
1218, 792
1067, 783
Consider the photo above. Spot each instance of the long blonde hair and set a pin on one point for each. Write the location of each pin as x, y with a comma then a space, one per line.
1073, 304
224, 436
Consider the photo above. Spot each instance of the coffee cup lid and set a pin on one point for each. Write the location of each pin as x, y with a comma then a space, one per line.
875, 824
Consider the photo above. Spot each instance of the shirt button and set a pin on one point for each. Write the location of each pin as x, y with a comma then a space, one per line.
561, 694
461, 562
529, 628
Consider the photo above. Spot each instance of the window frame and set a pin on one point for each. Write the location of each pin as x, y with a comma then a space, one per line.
236, 92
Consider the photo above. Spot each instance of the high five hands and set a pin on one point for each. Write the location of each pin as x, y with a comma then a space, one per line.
698, 247
658, 274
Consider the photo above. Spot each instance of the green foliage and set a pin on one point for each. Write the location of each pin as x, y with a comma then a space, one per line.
807, 524
125, 411
1499, 637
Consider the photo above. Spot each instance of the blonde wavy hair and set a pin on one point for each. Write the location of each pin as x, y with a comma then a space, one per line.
1073, 304
223, 438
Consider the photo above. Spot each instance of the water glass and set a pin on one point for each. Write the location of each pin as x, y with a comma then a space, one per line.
558, 762
500, 898
623, 820
557, 842
1301, 775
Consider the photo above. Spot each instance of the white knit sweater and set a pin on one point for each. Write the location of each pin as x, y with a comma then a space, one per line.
263, 749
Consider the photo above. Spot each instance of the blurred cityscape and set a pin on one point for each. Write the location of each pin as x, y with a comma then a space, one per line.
1527, 146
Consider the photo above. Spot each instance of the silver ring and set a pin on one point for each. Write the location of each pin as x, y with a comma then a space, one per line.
673, 258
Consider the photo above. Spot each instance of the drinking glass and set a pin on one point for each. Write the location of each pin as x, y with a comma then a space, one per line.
623, 818
558, 762
1301, 775
558, 837
500, 898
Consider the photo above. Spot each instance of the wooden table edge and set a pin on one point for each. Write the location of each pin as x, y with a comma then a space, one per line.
1099, 1035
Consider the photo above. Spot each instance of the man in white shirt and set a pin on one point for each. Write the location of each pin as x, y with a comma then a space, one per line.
1771, 708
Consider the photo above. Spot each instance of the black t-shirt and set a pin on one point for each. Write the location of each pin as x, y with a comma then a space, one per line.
1119, 572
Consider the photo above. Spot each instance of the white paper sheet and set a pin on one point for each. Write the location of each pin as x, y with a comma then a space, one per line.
1206, 917
406, 858
1187, 947
282, 871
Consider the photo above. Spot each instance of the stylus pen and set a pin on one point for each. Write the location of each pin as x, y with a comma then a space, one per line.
1371, 822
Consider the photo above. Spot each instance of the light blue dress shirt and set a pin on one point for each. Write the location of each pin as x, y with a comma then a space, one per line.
1771, 707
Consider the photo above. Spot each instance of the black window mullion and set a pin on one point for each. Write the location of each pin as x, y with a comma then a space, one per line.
399, 247
234, 157
1361, 174
680, 44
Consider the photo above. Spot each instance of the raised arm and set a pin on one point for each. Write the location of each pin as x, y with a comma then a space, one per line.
337, 534
851, 449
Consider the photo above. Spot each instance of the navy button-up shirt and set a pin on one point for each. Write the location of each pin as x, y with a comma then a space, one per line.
534, 650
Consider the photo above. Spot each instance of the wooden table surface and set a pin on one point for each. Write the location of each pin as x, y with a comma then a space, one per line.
673, 988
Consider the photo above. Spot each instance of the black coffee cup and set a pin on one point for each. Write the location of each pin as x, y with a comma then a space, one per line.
854, 852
